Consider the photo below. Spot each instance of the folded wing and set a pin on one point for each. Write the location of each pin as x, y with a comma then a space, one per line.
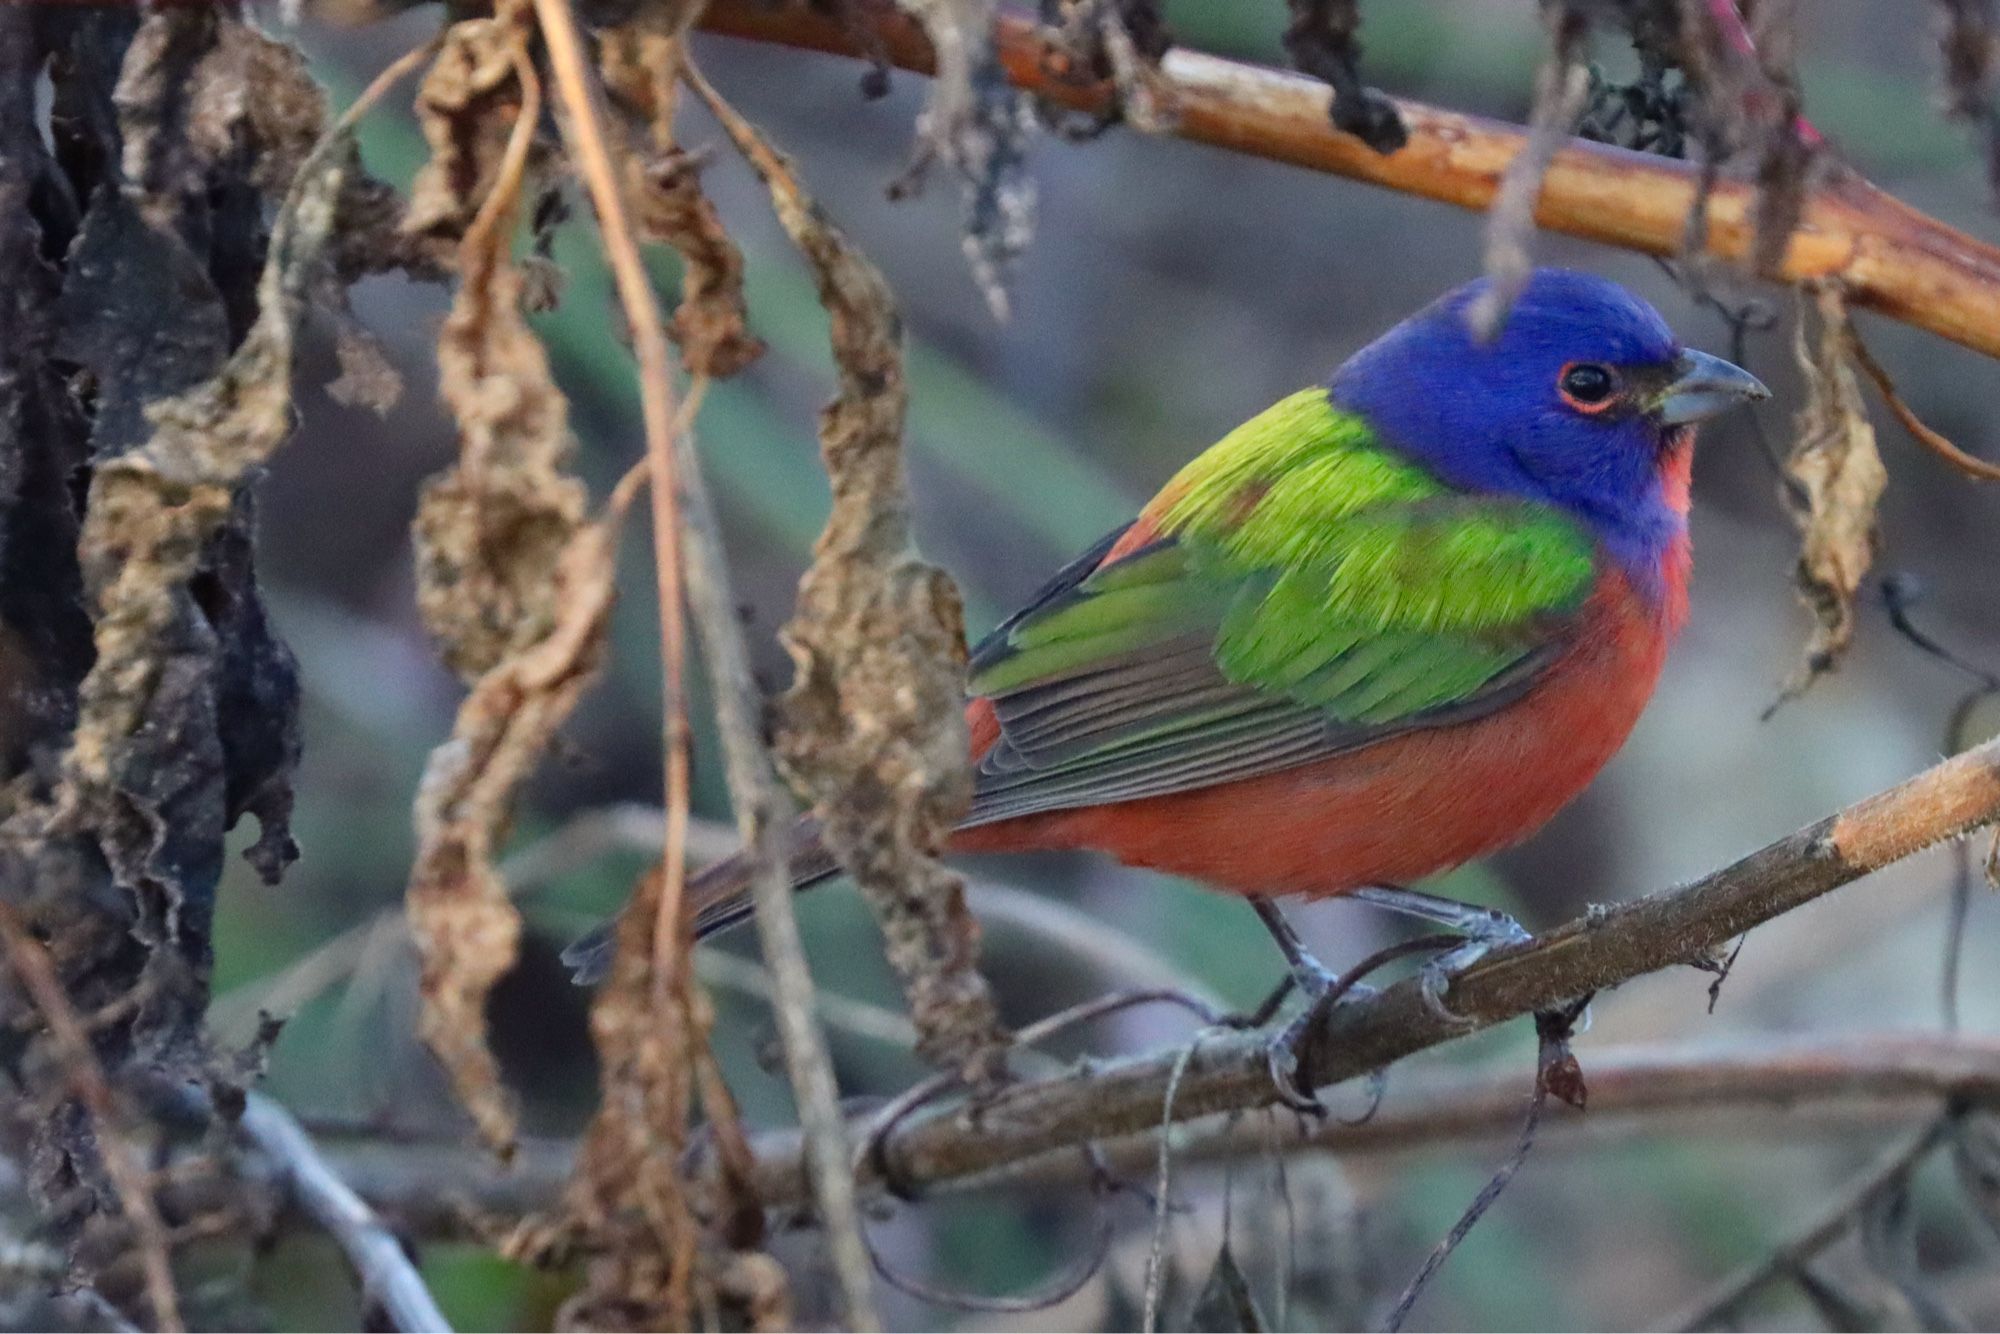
1274, 623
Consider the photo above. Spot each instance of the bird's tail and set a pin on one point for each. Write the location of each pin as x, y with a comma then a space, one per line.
719, 896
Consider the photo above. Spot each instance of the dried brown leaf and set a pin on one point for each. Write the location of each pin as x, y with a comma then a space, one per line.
490, 530
627, 1208
1323, 41
977, 124
466, 929
873, 726
153, 515
199, 88
1839, 481
143, 289
653, 1254
641, 68
368, 379
467, 109
514, 584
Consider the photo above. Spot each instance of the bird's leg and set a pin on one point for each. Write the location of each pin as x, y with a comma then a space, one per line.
1308, 974
1483, 929
1315, 982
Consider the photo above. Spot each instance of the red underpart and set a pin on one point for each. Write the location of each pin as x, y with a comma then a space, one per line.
1409, 806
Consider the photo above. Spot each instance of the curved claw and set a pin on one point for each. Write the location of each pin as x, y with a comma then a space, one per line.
1434, 980
1281, 1059
1435, 977
1281, 1052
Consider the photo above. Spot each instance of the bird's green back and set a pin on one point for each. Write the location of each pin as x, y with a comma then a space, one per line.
1301, 588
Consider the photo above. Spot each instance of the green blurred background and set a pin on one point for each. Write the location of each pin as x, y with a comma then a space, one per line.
1170, 292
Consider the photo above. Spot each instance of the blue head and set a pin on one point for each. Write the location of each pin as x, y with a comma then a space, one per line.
1585, 400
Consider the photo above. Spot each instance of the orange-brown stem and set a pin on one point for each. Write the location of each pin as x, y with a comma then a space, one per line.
1892, 258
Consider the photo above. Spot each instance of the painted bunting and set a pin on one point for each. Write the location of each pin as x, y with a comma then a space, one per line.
1389, 625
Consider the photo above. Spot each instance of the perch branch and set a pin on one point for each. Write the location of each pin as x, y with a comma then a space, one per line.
389, 1279
1632, 1090
1592, 953
1889, 257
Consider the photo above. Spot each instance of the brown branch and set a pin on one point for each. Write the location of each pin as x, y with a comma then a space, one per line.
389, 1278
1890, 257
690, 539
440, 1188
1591, 953
1632, 1090
88, 1084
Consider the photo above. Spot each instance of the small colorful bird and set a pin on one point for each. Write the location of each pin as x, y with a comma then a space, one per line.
1392, 624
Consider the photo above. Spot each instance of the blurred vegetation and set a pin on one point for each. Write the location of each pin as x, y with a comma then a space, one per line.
1170, 292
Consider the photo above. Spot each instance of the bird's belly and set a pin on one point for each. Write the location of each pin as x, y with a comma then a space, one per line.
1389, 813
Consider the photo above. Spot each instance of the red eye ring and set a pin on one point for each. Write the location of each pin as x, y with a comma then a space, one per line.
1587, 386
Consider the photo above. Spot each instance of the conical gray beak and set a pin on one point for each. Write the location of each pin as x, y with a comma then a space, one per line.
1703, 386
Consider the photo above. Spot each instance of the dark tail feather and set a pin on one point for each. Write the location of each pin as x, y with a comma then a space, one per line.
720, 897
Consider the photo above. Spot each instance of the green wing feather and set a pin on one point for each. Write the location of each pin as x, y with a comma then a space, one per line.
1309, 592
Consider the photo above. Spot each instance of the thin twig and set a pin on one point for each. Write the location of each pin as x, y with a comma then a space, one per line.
1498, 1182
762, 811
1752, 1088
1887, 1173
764, 814
1052, 1293
1553, 1062
90, 1087
1163, 1180
885, 1119
395, 72
583, 130
1889, 257
1970, 464
1596, 951
389, 1279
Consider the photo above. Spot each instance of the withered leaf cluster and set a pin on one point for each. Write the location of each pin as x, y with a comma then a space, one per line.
148, 315
1839, 482
978, 126
872, 726
1323, 40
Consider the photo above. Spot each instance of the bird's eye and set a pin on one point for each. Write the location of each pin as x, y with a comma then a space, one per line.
1588, 385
